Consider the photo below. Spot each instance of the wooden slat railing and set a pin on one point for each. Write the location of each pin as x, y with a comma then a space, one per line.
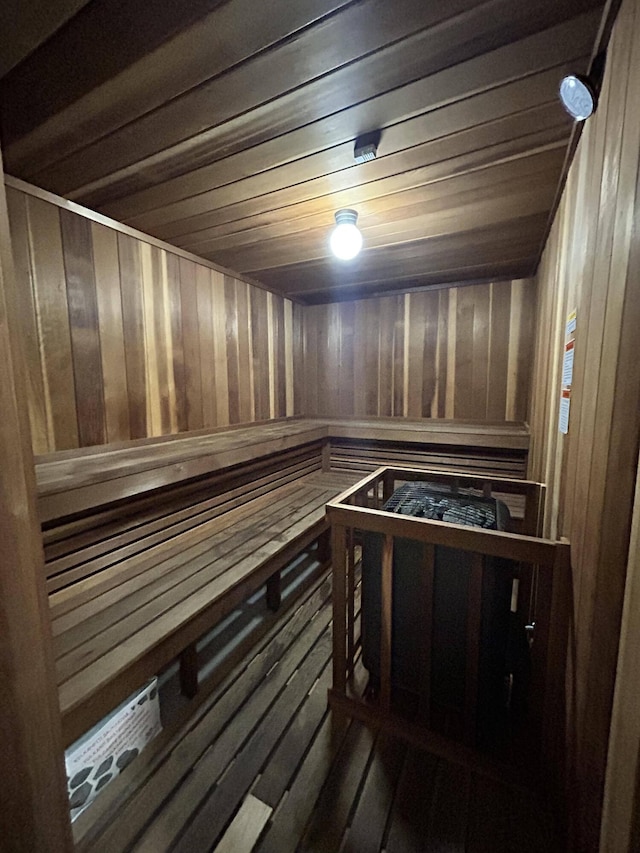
357, 510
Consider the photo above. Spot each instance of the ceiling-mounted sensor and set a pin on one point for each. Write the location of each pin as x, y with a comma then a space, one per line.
366, 147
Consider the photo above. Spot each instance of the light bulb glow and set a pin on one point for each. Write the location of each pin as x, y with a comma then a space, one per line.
346, 239
345, 242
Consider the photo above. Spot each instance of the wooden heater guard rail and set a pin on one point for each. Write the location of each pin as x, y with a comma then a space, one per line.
358, 508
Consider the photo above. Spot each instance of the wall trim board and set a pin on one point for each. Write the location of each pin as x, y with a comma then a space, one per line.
94, 216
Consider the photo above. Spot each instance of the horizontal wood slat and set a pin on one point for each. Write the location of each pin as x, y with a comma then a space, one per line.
454, 88
132, 583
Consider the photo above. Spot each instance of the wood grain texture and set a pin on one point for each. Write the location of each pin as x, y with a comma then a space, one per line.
34, 809
592, 263
19, 222
451, 353
52, 313
463, 92
85, 335
125, 340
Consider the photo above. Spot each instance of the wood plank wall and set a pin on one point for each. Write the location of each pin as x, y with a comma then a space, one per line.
592, 263
460, 352
126, 340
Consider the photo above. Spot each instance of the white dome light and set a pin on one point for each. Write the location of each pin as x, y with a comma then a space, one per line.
346, 240
578, 96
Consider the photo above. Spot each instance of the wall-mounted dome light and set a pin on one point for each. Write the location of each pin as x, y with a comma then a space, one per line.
578, 96
579, 93
346, 240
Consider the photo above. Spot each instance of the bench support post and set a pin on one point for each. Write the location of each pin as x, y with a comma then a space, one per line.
274, 592
189, 671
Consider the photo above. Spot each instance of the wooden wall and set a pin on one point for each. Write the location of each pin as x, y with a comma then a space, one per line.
592, 263
461, 352
125, 339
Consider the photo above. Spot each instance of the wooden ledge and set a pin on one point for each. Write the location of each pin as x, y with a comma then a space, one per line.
507, 436
91, 476
109, 474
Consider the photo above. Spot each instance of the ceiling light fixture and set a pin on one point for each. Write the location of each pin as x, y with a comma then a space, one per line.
346, 239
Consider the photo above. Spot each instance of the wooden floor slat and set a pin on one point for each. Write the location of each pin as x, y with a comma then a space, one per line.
410, 816
265, 767
367, 830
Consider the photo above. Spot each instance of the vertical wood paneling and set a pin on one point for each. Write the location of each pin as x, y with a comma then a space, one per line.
105, 255
17, 204
191, 344
33, 792
386, 334
231, 331
245, 372
134, 342
151, 308
47, 265
288, 347
220, 348
83, 322
205, 337
500, 308
281, 358
297, 356
446, 353
430, 308
261, 347
443, 348
177, 346
592, 263
361, 332
480, 358
451, 351
463, 401
372, 357
125, 340
164, 343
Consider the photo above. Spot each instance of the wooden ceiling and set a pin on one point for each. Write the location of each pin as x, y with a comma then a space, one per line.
227, 128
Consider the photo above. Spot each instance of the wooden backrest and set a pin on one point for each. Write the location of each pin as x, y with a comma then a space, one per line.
482, 449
